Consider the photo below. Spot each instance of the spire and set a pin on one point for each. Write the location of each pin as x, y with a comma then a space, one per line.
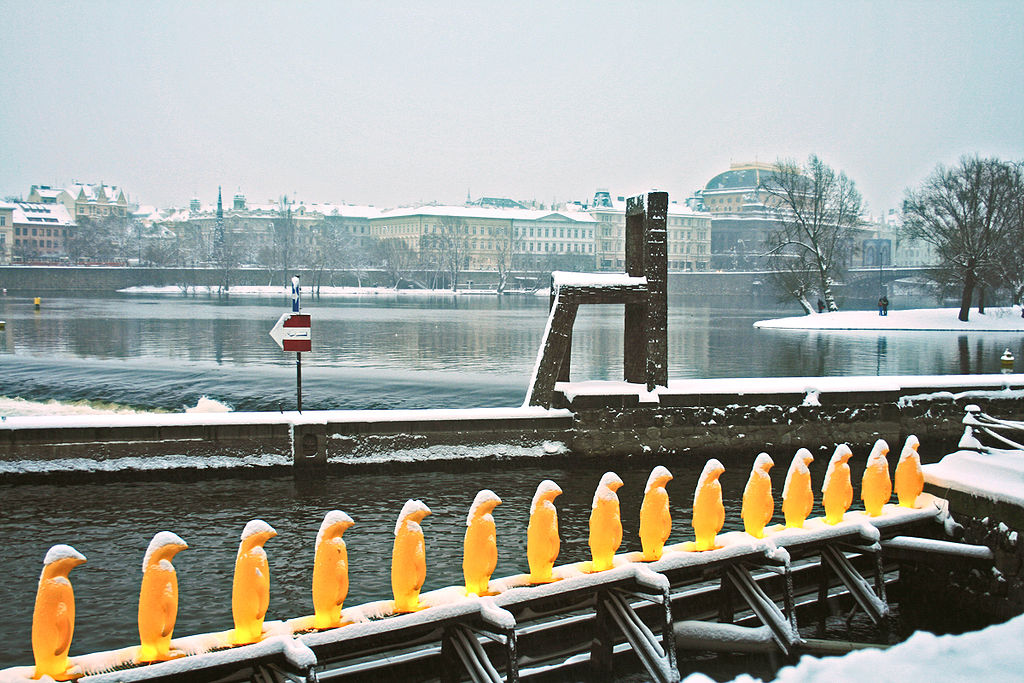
219, 233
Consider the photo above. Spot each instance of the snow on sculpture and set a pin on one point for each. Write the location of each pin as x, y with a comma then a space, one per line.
758, 504
158, 597
876, 487
542, 541
708, 510
250, 588
53, 619
797, 496
655, 517
909, 476
330, 570
837, 489
605, 523
408, 558
480, 546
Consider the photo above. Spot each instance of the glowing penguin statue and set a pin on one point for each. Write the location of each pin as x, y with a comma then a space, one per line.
876, 487
330, 570
837, 490
158, 598
708, 510
655, 518
480, 547
542, 542
409, 559
797, 496
250, 589
53, 620
909, 477
758, 504
605, 522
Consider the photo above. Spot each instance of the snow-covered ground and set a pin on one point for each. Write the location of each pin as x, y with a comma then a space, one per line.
286, 292
930, 319
990, 655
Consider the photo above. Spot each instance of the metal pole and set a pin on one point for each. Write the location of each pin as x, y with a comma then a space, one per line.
298, 379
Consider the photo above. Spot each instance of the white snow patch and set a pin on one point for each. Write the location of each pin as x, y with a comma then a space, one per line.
409, 508
995, 474
839, 456
713, 468
606, 488
659, 472
812, 398
160, 540
483, 497
330, 519
997, 319
62, 552
256, 526
543, 489
208, 405
799, 464
143, 463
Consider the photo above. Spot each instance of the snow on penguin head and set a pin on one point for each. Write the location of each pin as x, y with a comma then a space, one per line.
485, 501
334, 518
162, 540
606, 488
413, 511
659, 477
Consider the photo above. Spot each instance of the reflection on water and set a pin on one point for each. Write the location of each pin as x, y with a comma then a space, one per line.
420, 352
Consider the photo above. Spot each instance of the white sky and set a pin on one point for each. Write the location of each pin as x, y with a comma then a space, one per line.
388, 103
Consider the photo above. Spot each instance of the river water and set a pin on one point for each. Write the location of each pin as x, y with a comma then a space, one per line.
166, 352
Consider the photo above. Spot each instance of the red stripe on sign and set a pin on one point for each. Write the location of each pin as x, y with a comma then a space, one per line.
297, 345
297, 321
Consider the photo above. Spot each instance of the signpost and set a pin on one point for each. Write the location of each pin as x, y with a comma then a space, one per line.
292, 333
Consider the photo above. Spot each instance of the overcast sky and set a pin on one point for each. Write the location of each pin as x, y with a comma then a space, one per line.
391, 103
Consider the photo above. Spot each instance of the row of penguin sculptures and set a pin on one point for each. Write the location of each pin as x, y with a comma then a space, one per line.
54, 615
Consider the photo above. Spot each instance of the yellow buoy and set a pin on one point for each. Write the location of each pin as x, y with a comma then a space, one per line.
330, 570
655, 517
758, 504
250, 588
605, 523
53, 619
408, 557
542, 541
158, 597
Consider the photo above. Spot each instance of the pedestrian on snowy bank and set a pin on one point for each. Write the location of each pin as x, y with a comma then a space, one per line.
883, 305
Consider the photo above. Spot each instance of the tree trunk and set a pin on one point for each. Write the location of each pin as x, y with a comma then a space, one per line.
981, 300
965, 298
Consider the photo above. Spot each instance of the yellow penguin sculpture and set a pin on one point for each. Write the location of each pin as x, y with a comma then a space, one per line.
605, 523
758, 504
480, 546
708, 510
542, 542
837, 489
250, 589
876, 487
53, 619
797, 496
909, 477
330, 570
408, 558
158, 598
655, 517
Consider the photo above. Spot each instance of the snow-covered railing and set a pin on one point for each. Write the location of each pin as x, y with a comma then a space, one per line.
977, 419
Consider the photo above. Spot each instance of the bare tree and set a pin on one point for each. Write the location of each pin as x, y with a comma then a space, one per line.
453, 246
284, 237
967, 212
397, 260
508, 242
818, 211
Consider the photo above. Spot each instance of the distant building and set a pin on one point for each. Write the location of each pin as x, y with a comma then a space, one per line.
84, 200
34, 231
689, 234
740, 222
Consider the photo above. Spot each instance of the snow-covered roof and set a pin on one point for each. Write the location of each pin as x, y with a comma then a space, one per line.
92, 192
346, 210
480, 212
45, 215
674, 209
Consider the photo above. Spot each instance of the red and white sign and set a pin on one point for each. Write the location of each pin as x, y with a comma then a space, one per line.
292, 332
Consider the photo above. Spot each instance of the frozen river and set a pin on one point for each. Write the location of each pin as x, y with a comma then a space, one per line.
165, 352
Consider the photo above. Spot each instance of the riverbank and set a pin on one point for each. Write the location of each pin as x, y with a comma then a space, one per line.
995, 319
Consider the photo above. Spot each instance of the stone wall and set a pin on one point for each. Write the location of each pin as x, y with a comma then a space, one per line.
745, 425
